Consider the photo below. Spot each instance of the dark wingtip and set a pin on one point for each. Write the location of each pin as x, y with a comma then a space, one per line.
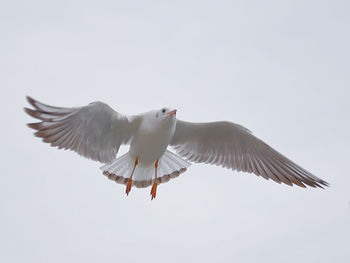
300, 184
37, 114
32, 113
30, 100
324, 183
319, 184
35, 126
29, 111
308, 183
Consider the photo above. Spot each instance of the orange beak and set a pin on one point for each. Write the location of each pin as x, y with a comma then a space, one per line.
173, 112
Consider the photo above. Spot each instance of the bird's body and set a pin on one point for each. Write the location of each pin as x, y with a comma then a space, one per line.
96, 131
152, 137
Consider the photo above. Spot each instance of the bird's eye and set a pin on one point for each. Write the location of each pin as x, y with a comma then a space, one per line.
163, 110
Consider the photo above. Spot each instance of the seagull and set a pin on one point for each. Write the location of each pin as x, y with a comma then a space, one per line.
96, 131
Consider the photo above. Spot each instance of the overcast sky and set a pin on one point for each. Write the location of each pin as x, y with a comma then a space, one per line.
280, 68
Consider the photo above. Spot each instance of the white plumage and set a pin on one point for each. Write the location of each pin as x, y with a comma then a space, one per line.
96, 131
170, 166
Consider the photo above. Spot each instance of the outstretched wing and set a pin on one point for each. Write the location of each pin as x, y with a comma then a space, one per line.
94, 131
233, 146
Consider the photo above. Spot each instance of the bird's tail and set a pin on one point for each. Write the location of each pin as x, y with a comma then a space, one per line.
169, 166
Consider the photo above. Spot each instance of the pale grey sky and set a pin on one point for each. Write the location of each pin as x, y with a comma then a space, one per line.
280, 68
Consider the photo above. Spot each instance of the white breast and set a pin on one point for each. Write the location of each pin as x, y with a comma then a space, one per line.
151, 140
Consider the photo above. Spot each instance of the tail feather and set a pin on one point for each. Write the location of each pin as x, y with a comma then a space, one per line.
169, 166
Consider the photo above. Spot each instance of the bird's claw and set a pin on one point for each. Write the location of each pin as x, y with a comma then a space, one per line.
154, 190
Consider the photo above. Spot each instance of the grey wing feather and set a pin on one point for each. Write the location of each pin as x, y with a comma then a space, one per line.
233, 146
94, 131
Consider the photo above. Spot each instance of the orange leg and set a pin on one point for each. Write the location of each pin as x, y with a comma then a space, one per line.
129, 184
154, 187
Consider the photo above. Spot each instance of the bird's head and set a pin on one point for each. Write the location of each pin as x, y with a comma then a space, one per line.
165, 114
164, 117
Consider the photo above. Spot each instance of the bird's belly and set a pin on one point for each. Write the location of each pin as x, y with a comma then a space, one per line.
149, 147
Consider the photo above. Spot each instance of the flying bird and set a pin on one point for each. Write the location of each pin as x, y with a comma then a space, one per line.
96, 131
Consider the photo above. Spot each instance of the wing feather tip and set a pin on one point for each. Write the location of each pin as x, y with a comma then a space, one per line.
35, 114
30, 100
314, 184
41, 134
322, 184
35, 125
28, 111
